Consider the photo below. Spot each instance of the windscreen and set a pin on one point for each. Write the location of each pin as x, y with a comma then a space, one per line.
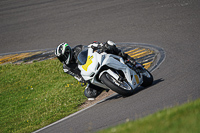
82, 57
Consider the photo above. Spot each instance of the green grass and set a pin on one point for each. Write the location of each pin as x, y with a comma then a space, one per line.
182, 119
35, 95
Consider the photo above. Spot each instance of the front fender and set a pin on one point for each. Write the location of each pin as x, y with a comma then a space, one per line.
110, 72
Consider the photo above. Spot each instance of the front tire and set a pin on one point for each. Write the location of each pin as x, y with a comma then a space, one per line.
121, 87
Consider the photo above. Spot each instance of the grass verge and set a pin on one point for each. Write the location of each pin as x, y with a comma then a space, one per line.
35, 95
181, 119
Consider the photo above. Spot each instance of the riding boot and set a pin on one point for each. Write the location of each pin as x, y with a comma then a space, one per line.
92, 91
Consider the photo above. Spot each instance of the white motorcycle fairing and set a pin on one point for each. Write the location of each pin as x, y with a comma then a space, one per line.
93, 65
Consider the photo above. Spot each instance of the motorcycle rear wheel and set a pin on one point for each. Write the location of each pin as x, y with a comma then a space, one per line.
121, 87
147, 78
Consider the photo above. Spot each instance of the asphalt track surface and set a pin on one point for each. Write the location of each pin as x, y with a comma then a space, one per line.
173, 25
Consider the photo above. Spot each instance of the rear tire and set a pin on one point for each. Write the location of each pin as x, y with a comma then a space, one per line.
121, 87
147, 78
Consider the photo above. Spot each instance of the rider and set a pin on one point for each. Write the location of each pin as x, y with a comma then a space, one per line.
68, 56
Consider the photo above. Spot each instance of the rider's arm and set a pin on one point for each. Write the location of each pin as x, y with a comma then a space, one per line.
110, 47
73, 72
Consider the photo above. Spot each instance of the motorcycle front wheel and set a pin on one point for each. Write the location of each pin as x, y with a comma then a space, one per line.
121, 87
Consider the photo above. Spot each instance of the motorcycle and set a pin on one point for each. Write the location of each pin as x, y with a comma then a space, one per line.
112, 72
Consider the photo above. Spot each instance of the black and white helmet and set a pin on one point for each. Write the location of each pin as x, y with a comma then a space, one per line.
63, 53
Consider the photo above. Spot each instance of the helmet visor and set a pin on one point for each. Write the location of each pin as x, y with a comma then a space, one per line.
67, 55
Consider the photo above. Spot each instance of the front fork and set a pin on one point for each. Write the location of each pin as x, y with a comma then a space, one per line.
134, 68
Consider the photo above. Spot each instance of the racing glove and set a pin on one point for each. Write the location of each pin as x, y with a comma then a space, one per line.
79, 78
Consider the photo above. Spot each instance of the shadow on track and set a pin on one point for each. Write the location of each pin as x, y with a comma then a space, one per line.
137, 90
